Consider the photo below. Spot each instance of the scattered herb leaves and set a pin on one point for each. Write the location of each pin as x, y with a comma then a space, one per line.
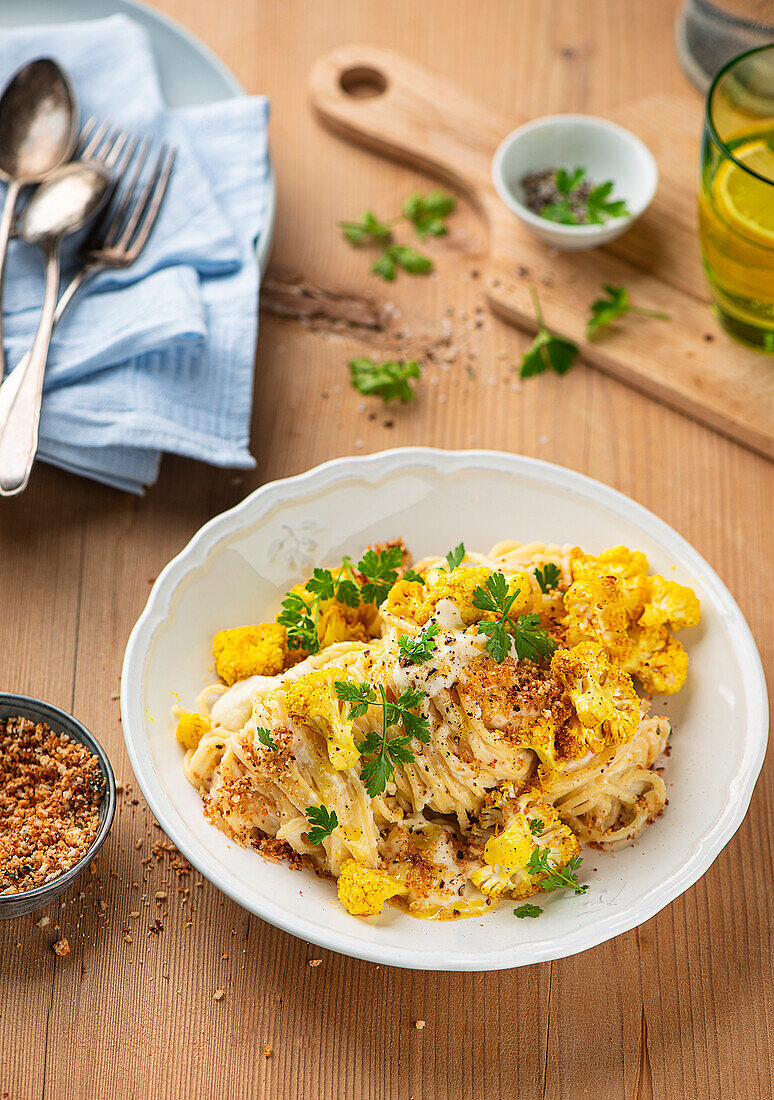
536, 826
548, 577
265, 737
385, 751
528, 911
546, 350
616, 303
556, 878
380, 572
388, 380
367, 230
531, 640
415, 651
300, 621
455, 557
411, 575
323, 822
426, 213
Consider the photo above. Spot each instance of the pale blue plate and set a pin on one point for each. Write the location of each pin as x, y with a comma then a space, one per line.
190, 72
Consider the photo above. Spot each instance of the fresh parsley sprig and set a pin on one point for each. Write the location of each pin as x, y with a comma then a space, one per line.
586, 206
427, 214
342, 587
265, 737
412, 575
380, 571
528, 911
536, 826
616, 303
548, 577
299, 617
556, 878
323, 822
601, 206
388, 380
531, 640
455, 557
385, 751
415, 651
547, 349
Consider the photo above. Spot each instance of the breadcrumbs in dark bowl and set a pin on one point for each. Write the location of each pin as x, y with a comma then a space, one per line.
57, 801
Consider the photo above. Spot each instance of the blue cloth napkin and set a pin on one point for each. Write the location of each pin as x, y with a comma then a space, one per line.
158, 357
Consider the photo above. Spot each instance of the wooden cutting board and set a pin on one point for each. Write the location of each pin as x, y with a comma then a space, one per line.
689, 363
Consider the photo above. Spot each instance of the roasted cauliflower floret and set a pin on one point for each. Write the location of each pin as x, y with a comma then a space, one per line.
312, 698
628, 567
533, 827
191, 728
669, 604
596, 611
658, 660
364, 890
417, 602
603, 696
249, 651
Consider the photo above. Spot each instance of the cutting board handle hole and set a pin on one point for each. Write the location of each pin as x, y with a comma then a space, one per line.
363, 82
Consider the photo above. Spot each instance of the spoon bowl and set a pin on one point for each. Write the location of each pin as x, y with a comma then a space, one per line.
64, 202
37, 122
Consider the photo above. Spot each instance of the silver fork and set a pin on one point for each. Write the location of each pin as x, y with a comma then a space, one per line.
115, 242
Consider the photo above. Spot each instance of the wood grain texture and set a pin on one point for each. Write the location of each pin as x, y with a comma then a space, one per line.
679, 1008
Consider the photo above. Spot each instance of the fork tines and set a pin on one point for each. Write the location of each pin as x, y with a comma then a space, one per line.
135, 201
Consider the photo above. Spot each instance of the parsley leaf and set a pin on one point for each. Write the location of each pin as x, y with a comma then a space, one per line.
536, 826
547, 350
409, 259
378, 771
530, 639
410, 575
427, 213
389, 380
615, 305
380, 571
600, 207
323, 822
548, 576
384, 266
455, 557
415, 651
367, 230
528, 911
556, 878
265, 737
567, 182
297, 619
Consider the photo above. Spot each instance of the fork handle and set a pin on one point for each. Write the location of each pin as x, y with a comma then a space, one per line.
20, 402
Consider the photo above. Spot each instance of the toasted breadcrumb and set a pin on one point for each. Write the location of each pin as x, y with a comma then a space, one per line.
62, 947
50, 791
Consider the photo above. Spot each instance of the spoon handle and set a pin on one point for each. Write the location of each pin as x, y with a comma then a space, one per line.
20, 402
6, 225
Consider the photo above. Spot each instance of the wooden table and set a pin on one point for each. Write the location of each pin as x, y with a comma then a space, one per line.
681, 1007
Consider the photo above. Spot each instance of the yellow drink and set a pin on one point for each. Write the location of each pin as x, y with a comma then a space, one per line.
736, 199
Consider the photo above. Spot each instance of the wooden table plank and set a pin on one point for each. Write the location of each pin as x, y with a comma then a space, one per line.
680, 1007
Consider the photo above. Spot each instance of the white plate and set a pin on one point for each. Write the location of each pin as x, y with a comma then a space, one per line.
235, 571
189, 71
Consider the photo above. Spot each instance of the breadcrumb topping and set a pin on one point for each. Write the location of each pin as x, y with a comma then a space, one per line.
50, 790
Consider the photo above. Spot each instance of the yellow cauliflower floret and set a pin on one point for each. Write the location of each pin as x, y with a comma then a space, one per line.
364, 890
417, 602
312, 698
628, 567
338, 623
603, 696
249, 651
658, 660
670, 604
191, 728
532, 824
596, 611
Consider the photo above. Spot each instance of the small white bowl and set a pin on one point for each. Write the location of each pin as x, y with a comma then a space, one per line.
607, 152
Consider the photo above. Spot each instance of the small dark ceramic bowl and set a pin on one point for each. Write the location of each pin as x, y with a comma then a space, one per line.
15, 706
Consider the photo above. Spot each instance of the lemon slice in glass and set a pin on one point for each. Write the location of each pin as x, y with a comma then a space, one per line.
743, 199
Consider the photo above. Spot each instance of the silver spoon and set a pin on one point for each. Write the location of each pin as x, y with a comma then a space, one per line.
60, 206
38, 131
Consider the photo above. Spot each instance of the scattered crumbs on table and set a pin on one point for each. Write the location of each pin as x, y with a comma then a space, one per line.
43, 922
160, 895
267, 1051
420, 1025
219, 994
62, 947
315, 962
135, 913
